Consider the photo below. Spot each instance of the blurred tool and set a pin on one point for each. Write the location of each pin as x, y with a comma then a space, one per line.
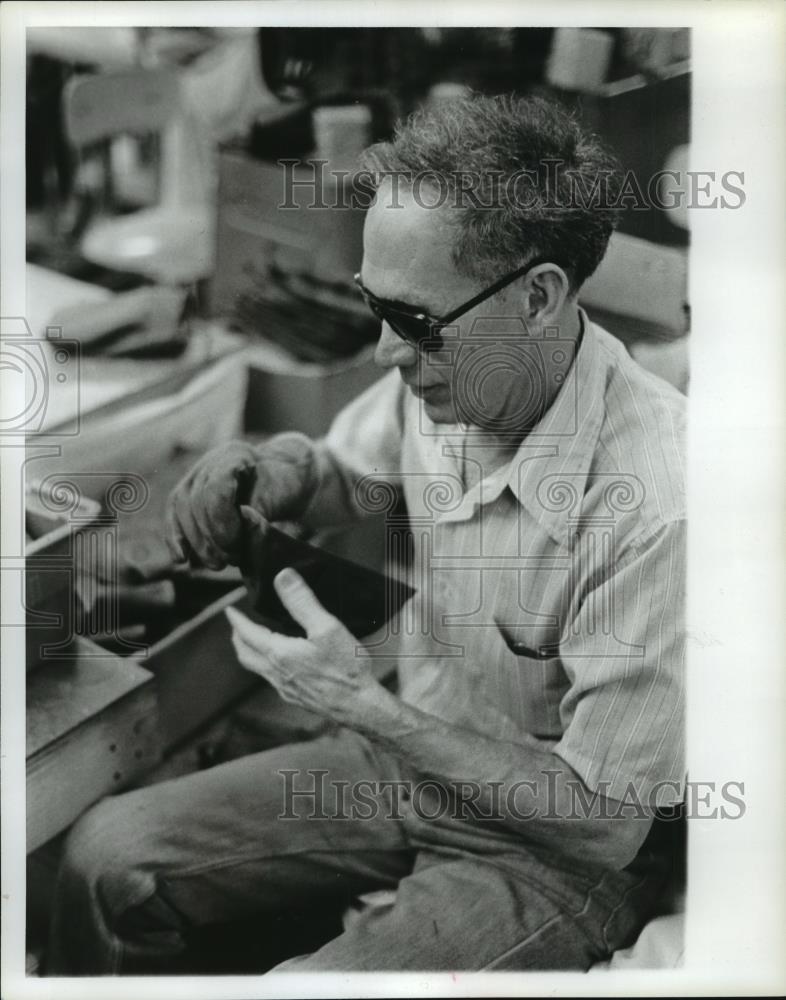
172, 242
222, 85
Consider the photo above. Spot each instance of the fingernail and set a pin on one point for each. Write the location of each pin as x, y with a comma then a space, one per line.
287, 578
252, 516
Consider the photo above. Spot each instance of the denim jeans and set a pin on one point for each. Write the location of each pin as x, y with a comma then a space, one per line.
142, 871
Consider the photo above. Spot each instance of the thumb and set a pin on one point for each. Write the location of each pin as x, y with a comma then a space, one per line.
253, 517
301, 603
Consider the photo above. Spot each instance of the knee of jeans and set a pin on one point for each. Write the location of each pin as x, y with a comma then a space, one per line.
104, 852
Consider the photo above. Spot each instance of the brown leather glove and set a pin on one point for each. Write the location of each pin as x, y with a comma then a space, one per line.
277, 478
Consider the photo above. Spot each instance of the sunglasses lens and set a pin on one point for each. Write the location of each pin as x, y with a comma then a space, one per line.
409, 328
377, 310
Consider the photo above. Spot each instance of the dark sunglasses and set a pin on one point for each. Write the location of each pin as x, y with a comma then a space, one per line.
416, 328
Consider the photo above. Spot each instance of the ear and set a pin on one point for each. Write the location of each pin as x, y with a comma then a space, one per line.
548, 289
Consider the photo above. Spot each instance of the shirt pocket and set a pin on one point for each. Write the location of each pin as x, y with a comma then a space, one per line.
529, 687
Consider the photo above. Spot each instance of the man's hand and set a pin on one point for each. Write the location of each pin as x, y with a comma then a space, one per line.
321, 672
277, 479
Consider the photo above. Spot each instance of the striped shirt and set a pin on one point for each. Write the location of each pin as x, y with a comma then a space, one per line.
550, 594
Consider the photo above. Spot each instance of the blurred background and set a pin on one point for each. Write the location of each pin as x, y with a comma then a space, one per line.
173, 137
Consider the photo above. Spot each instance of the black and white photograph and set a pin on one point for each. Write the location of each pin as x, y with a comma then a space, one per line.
392, 485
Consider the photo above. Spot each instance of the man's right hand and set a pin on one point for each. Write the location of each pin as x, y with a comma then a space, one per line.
277, 478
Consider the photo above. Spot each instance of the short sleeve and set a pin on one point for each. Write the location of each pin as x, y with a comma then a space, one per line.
623, 714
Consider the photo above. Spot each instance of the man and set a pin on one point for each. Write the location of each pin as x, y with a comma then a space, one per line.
508, 787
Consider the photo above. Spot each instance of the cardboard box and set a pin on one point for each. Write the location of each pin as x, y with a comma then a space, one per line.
285, 394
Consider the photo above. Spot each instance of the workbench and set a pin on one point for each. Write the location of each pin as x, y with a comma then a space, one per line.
92, 729
93, 721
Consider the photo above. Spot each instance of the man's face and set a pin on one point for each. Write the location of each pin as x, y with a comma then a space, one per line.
407, 259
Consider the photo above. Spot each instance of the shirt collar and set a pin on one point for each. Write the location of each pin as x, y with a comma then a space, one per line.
549, 472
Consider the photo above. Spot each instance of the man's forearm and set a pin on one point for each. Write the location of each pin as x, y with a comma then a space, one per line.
529, 788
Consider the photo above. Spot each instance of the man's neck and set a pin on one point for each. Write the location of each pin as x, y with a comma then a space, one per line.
571, 327
556, 365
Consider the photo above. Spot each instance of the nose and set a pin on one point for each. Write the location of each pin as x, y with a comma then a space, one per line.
392, 351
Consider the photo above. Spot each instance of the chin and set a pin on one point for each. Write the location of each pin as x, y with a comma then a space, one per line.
440, 412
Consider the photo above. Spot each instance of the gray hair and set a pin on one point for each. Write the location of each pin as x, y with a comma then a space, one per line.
528, 180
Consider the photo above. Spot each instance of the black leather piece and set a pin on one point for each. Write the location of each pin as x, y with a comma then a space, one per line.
362, 599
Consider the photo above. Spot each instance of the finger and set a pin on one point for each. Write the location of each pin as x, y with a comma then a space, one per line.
191, 557
254, 518
220, 515
177, 537
266, 669
175, 540
203, 552
204, 496
256, 636
251, 659
301, 603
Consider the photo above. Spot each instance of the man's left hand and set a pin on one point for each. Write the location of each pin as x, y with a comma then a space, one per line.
322, 672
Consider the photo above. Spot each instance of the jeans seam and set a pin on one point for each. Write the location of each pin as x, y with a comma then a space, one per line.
242, 858
560, 916
617, 908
